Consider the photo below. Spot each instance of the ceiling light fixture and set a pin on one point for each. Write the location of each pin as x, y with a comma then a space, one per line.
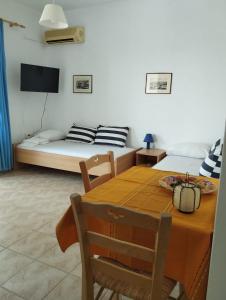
53, 17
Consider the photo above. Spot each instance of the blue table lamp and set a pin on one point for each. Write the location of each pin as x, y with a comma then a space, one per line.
148, 139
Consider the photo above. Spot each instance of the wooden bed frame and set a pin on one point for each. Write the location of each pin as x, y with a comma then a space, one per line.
69, 163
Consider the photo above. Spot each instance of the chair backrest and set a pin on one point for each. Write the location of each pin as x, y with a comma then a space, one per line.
95, 161
160, 226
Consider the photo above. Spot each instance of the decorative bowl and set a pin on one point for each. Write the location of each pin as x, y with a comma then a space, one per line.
169, 182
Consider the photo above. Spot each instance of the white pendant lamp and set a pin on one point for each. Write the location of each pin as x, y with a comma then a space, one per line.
53, 17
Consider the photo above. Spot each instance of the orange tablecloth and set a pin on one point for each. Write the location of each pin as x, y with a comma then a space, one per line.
191, 235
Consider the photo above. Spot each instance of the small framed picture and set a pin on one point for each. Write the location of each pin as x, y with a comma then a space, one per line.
158, 83
83, 84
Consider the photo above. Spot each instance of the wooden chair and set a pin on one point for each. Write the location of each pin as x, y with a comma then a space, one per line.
95, 161
109, 273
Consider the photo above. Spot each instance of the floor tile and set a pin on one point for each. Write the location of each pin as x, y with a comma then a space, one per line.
29, 219
65, 261
35, 281
34, 245
6, 295
32, 201
7, 211
10, 233
50, 227
10, 263
69, 288
78, 270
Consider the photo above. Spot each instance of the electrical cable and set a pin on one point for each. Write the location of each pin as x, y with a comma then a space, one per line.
43, 113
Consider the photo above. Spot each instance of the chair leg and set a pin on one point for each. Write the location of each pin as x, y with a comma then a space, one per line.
112, 295
83, 290
87, 292
115, 296
99, 293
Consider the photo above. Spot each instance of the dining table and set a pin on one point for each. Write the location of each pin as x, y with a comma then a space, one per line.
138, 188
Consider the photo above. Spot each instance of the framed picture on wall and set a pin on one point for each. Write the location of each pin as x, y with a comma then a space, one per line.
83, 84
158, 83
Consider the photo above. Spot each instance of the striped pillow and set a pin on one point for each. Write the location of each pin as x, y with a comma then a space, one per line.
211, 167
111, 135
79, 134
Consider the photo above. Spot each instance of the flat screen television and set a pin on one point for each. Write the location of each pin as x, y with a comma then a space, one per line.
39, 79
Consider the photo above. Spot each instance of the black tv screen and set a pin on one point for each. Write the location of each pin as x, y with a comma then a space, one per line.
39, 79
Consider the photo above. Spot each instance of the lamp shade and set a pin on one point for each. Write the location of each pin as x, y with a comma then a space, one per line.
148, 138
53, 17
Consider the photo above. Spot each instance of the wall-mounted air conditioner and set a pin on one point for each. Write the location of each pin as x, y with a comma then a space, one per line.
69, 35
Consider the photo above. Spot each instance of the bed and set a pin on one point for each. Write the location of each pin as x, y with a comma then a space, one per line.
181, 164
65, 155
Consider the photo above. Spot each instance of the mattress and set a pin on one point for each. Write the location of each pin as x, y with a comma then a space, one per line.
180, 164
76, 149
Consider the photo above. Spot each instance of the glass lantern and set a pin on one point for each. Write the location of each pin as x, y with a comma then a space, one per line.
186, 196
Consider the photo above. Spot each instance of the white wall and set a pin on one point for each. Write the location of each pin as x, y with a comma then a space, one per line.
22, 45
128, 38
124, 40
216, 284
217, 274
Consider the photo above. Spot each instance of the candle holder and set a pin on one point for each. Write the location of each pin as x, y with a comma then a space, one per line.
186, 196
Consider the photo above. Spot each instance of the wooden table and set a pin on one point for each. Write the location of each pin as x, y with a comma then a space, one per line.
191, 235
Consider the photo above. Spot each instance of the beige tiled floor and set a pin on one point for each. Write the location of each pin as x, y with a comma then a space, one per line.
66, 262
6, 295
10, 233
34, 281
34, 245
11, 263
68, 289
78, 270
32, 266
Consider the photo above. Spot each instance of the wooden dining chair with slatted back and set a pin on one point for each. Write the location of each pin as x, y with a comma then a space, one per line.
97, 161
111, 274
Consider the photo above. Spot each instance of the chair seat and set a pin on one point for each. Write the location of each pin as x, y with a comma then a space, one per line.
133, 292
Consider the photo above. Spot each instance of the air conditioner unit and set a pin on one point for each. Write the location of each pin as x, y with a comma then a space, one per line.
69, 35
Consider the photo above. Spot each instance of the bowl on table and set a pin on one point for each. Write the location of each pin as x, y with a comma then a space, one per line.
170, 182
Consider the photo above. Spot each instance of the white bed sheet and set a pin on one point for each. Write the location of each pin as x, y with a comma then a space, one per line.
76, 149
180, 164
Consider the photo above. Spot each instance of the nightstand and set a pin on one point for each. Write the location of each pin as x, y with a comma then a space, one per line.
149, 156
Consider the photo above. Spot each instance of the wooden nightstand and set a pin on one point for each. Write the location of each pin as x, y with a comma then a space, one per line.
149, 156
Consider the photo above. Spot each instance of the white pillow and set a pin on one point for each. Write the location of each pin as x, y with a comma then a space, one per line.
51, 135
195, 150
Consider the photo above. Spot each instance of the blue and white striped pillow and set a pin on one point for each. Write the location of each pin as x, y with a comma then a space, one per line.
111, 135
211, 166
80, 134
